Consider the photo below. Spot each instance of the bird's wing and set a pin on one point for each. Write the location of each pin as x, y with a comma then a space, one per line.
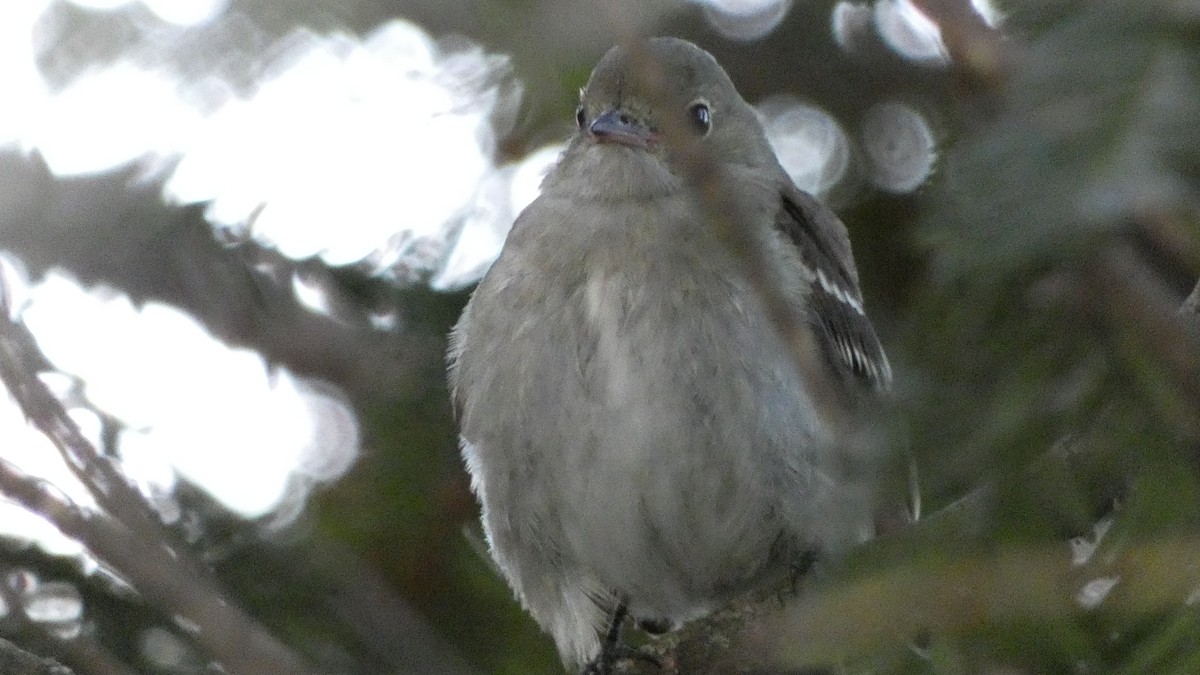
836, 301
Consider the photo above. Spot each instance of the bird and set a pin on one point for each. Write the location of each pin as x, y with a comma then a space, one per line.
655, 381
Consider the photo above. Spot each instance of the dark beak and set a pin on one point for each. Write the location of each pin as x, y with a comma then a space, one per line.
617, 126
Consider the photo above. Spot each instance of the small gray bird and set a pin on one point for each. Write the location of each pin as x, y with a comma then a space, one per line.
652, 379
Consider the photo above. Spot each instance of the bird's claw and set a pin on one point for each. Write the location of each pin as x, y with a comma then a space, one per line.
611, 655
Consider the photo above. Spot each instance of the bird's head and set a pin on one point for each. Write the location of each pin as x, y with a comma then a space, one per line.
654, 110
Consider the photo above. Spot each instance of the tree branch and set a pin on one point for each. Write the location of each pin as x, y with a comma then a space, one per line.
932, 575
1191, 306
133, 542
17, 661
976, 49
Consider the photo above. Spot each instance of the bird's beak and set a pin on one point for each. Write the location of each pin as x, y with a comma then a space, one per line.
618, 126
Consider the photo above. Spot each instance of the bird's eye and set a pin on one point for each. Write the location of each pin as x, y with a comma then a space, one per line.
580, 116
700, 118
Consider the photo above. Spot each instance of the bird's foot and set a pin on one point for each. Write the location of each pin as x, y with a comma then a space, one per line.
611, 655
799, 567
613, 650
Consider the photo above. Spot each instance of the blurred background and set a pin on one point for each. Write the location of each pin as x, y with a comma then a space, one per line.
234, 234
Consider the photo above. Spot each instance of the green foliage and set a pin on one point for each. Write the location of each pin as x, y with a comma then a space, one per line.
1044, 244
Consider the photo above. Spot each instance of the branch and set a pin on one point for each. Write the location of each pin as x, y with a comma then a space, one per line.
977, 50
1131, 297
17, 661
132, 542
1191, 307
884, 595
226, 634
20, 362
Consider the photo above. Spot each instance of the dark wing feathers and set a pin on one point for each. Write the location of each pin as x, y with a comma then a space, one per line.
835, 299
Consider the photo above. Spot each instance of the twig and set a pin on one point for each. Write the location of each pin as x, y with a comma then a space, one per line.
706, 181
20, 359
1191, 306
135, 543
17, 661
1124, 292
976, 49
223, 631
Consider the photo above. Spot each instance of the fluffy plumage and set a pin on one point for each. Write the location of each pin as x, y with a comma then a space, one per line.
633, 419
